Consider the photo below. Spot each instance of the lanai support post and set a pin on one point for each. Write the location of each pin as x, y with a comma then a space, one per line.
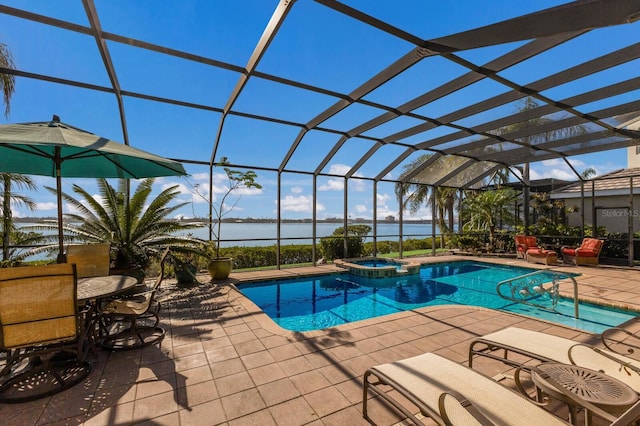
581, 209
401, 219
314, 220
345, 219
279, 220
594, 229
630, 223
433, 224
375, 218
460, 197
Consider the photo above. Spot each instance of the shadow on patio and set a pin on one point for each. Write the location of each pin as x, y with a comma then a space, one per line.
225, 362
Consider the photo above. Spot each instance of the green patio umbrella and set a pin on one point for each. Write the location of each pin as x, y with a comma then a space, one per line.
60, 150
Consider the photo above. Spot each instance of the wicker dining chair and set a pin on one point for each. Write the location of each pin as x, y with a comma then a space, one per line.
131, 322
42, 335
92, 260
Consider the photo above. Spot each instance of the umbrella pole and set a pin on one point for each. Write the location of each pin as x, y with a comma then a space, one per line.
58, 161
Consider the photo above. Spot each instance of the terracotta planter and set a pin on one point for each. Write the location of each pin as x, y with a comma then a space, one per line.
220, 268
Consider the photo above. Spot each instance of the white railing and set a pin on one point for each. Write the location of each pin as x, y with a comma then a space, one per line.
530, 289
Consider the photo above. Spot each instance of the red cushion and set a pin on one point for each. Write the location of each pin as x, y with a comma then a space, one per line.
536, 251
526, 240
590, 248
591, 244
585, 252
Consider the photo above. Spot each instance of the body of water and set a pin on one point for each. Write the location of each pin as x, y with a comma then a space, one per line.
265, 234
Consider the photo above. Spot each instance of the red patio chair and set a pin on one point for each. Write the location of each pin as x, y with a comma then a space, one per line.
524, 243
587, 254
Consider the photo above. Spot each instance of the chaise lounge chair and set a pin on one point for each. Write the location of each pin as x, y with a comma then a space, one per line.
452, 394
543, 347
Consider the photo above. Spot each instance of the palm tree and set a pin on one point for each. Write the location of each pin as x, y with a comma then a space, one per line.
7, 81
588, 173
8, 85
8, 198
527, 104
137, 228
486, 207
415, 195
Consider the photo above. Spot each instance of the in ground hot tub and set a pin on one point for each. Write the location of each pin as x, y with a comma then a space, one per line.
378, 267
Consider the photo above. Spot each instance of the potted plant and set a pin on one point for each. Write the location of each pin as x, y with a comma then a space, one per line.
220, 267
185, 266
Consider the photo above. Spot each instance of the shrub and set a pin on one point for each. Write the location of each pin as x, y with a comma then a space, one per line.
332, 247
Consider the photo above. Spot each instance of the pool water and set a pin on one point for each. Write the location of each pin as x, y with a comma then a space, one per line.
324, 301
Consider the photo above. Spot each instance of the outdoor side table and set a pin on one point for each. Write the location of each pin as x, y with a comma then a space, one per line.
597, 388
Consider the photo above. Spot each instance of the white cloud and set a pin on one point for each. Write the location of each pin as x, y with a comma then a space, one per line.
246, 191
200, 176
358, 185
361, 208
46, 206
423, 213
382, 198
576, 163
558, 169
339, 169
383, 210
300, 204
332, 185
16, 213
197, 194
555, 173
296, 190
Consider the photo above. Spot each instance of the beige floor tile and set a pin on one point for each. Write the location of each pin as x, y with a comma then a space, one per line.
209, 413
223, 362
242, 403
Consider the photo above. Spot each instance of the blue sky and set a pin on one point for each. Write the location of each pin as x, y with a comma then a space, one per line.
315, 45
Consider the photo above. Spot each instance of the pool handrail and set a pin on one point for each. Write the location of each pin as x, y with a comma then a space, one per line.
523, 293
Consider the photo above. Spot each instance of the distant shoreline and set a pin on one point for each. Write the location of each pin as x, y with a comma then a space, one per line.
356, 221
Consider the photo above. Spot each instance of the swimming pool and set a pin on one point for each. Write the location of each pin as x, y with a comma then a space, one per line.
324, 301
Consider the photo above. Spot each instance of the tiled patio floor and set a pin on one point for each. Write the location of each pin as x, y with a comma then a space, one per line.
223, 362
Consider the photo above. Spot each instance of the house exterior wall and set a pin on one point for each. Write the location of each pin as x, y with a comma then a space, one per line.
613, 212
633, 157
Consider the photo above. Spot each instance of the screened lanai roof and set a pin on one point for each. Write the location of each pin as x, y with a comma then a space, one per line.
368, 84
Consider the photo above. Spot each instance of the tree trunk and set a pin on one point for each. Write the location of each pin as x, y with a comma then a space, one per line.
6, 217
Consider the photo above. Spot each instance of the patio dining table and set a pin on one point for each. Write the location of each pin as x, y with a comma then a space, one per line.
89, 292
94, 288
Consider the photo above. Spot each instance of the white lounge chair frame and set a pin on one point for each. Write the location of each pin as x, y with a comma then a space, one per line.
429, 380
511, 344
452, 394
